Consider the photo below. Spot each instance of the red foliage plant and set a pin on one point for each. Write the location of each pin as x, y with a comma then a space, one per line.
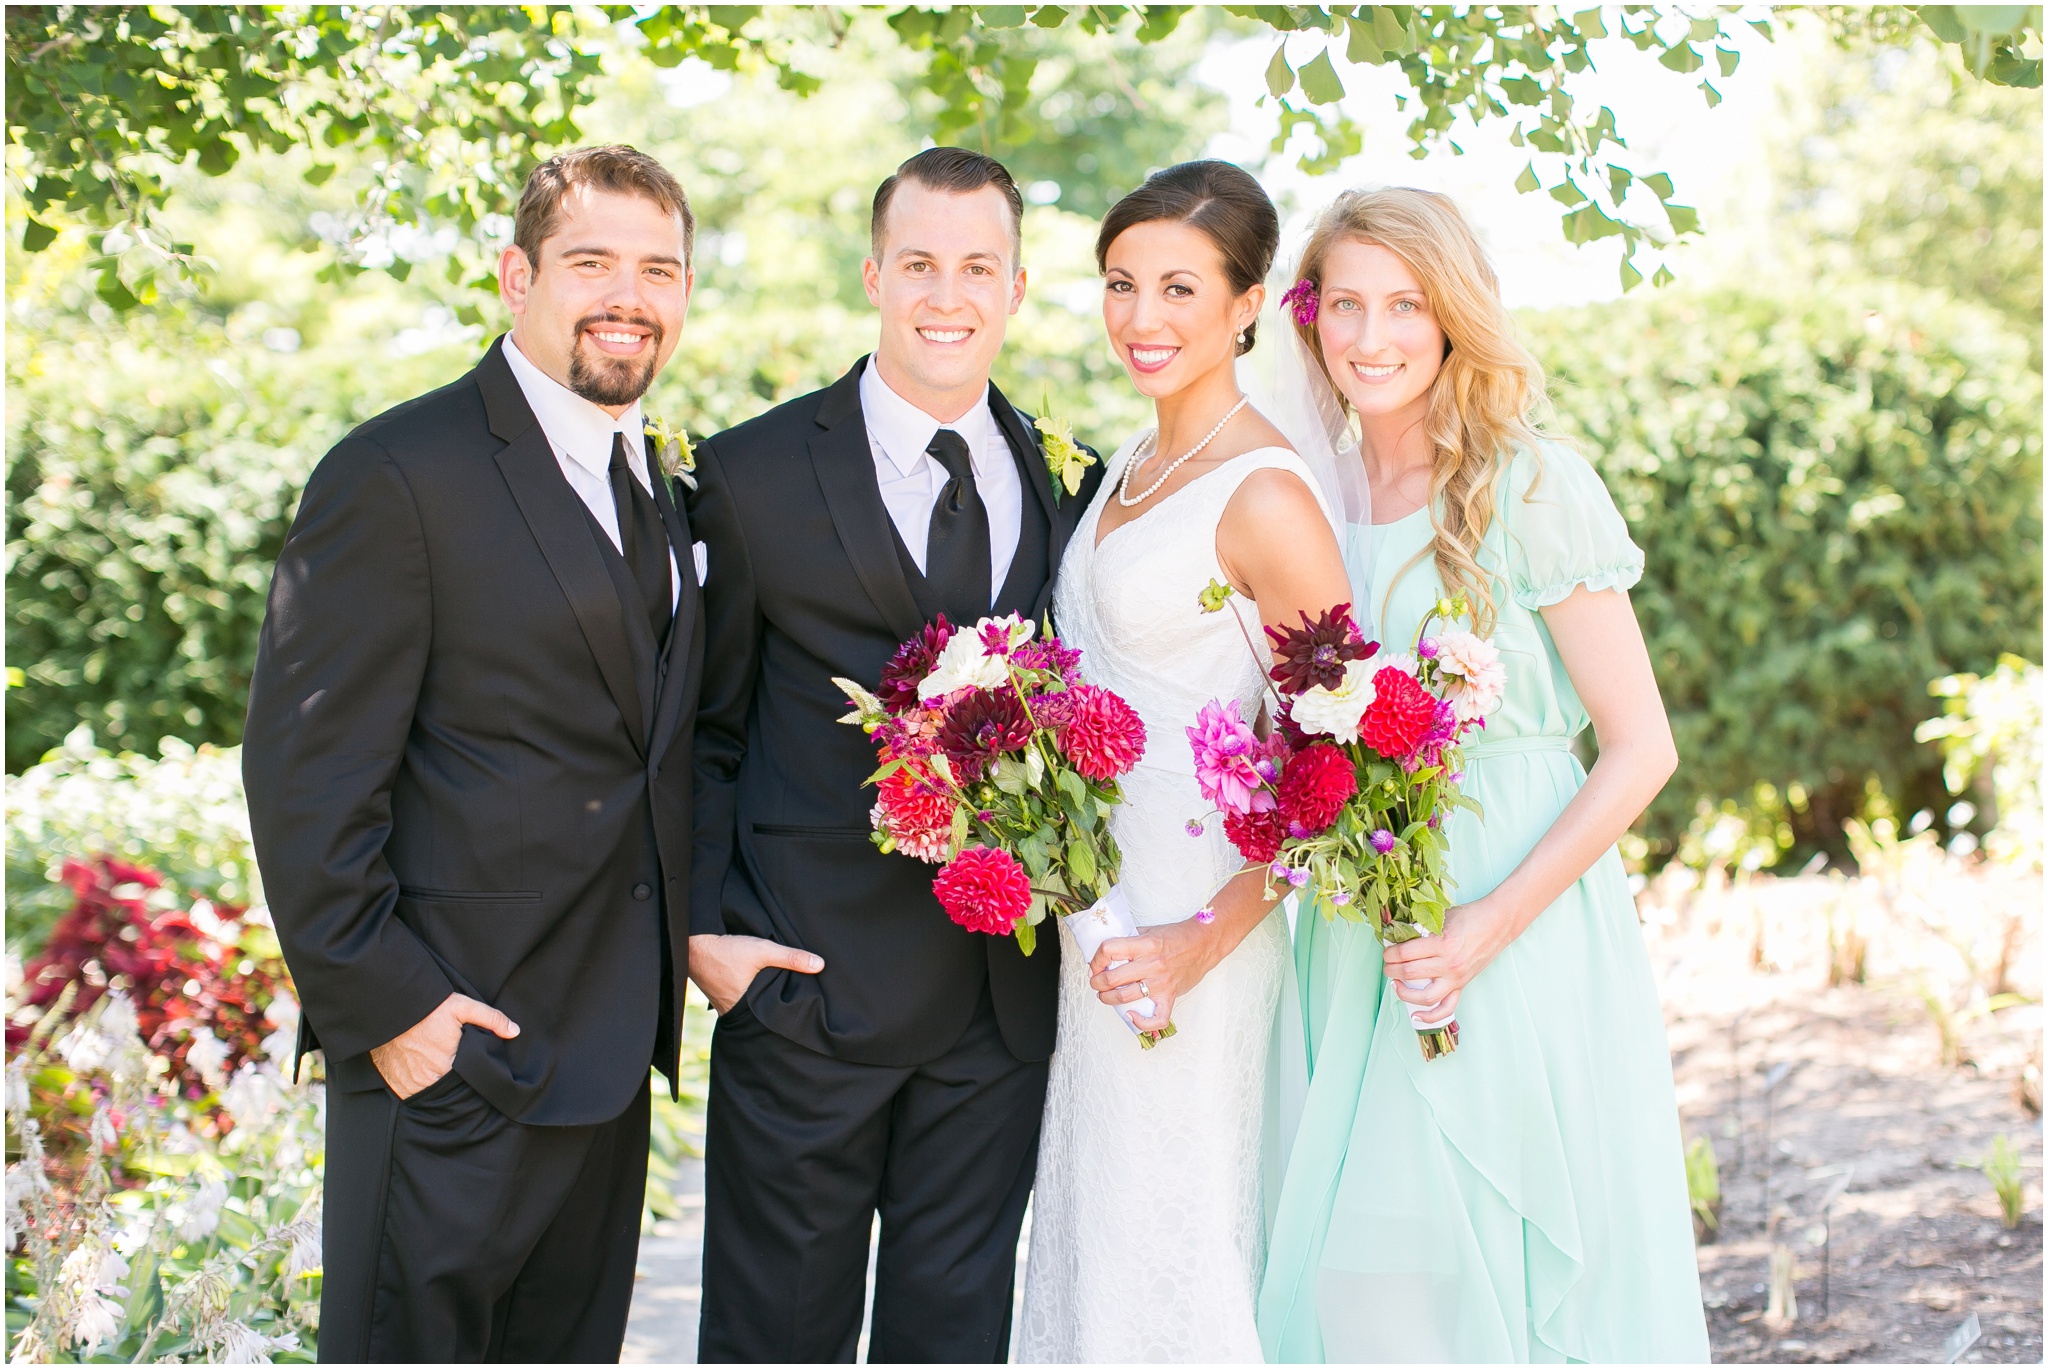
178, 975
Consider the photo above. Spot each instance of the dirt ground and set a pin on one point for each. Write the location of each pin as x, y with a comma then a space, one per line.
1807, 1089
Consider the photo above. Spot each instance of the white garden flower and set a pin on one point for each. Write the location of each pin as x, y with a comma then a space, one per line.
96, 1321
251, 1096
966, 662
199, 1214
1337, 712
304, 1256
240, 1343
1474, 677
209, 1056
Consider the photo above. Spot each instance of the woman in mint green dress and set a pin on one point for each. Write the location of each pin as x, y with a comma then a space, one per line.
1522, 1198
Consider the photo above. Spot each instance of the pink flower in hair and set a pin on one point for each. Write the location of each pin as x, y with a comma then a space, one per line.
1302, 298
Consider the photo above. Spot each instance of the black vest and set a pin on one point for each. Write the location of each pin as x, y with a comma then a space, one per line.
1030, 568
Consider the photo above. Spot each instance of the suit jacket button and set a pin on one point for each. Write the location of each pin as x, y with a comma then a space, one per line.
643, 892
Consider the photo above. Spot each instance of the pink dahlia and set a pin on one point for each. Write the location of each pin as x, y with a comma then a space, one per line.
1227, 756
1315, 787
917, 811
911, 663
1048, 653
1103, 735
1257, 836
984, 890
1400, 714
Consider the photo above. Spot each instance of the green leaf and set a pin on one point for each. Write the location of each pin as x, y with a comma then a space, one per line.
1072, 786
1389, 32
1001, 16
1728, 60
1590, 24
1630, 277
1027, 937
113, 293
1279, 76
1682, 58
1360, 45
35, 235
1660, 280
1081, 861
1660, 184
1319, 81
1567, 194
1713, 95
1527, 181
1683, 219
319, 173
1618, 181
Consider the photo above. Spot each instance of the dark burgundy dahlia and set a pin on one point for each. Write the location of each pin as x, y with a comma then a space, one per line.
1314, 653
911, 663
979, 728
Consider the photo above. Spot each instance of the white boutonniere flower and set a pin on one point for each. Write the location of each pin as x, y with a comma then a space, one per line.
672, 449
1063, 456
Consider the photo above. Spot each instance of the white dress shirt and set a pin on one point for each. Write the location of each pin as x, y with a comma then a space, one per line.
899, 432
581, 435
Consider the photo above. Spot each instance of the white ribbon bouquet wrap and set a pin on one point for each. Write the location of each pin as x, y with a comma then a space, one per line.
1108, 917
1420, 1015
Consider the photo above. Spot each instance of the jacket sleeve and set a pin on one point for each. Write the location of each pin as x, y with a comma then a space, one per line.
732, 664
337, 677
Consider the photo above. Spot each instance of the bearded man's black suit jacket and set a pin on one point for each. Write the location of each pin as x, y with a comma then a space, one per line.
467, 764
909, 1075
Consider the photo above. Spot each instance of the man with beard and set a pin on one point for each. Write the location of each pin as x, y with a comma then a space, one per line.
468, 768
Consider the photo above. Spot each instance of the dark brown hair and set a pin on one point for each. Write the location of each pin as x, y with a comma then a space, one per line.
1224, 201
619, 169
956, 171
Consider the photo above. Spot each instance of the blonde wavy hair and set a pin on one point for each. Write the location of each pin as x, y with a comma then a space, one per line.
1487, 400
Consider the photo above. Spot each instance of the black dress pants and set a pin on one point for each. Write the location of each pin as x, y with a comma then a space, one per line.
455, 1234
800, 1152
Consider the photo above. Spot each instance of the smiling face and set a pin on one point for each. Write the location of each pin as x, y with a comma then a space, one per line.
1168, 306
1381, 340
602, 309
946, 280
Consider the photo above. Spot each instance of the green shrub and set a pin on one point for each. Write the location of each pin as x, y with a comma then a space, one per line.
1839, 498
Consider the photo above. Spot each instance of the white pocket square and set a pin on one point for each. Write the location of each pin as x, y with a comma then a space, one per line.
701, 555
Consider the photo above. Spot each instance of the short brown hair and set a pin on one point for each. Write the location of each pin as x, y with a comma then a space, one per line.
956, 171
1225, 202
617, 168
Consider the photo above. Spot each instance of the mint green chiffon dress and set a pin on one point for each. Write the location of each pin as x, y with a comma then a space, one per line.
1522, 1199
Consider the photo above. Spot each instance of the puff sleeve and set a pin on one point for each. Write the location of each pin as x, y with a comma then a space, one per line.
1564, 530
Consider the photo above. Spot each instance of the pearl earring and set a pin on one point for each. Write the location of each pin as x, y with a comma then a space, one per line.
1240, 337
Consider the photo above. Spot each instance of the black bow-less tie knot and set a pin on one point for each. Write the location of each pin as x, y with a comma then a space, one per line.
643, 541
956, 557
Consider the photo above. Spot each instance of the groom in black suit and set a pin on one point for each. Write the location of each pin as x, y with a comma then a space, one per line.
467, 762
870, 1055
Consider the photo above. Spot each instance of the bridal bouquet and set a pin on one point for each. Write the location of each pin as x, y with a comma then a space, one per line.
1348, 798
1000, 766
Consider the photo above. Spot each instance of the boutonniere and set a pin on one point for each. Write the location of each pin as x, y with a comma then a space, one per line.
1063, 456
672, 449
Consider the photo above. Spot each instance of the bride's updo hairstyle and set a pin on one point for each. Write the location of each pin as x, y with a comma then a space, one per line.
1485, 401
1225, 202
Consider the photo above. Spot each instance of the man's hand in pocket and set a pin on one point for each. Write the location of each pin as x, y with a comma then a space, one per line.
426, 1051
724, 966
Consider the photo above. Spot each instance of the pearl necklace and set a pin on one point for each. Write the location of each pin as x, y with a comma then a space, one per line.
1123, 494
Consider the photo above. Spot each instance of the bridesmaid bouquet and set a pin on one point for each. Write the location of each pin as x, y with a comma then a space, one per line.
1347, 799
1000, 766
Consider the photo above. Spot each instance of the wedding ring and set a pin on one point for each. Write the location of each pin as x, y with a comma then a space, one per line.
1143, 992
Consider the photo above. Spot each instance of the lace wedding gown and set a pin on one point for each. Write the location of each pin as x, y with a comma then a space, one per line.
1147, 1229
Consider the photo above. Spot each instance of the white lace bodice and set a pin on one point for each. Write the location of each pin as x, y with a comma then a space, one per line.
1147, 1236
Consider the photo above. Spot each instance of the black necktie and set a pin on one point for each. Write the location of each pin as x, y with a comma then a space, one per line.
642, 539
956, 546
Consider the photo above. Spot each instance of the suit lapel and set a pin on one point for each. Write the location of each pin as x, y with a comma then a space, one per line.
1030, 456
555, 516
668, 706
845, 466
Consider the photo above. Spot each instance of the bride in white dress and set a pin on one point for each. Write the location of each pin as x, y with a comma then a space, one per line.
1147, 1238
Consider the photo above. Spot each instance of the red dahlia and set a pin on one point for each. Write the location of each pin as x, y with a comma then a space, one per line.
1315, 653
979, 728
1256, 836
1399, 716
911, 663
1103, 735
984, 890
914, 801
1315, 786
